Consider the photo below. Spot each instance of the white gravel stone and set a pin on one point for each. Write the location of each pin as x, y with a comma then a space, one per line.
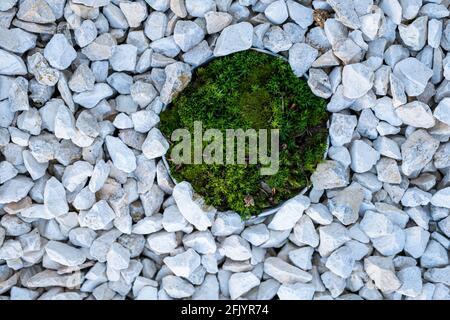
417, 151
122, 157
64, 254
290, 212
198, 8
234, 38
301, 57
183, 264
441, 198
240, 283
301, 15
416, 241
413, 74
284, 272
191, 210
11, 64
442, 111
277, 12
357, 79
59, 53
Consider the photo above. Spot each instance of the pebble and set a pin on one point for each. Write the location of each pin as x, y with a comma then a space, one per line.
416, 114
64, 254
413, 74
417, 151
11, 65
277, 12
357, 80
241, 283
122, 157
234, 38
217, 21
289, 213
301, 57
187, 34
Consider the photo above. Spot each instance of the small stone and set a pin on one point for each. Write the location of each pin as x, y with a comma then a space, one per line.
189, 208
11, 64
305, 233
178, 76
416, 114
101, 48
234, 38
276, 40
217, 21
176, 287
301, 15
346, 204
414, 35
89, 99
55, 197
434, 33
134, 12
85, 33
122, 157
284, 272
82, 79
187, 34
441, 198
64, 254
236, 248
388, 171
16, 40
345, 13
301, 57
162, 242
332, 236
296, 291
98, 217
7, 171
199, 54
15, 189
227, 223
155, 25
201, 241
183, 264
289, 213
442, 111
329, 175
59, 53
342, 128
341, 262
118, 257
357, 80
413, 74
319, 213
240, 283
37, 11
414, 197
381, 271
416, 241
155, 145
411, 279
198, 8
376, 224
124, 58
417, 151
277, 12
364, 157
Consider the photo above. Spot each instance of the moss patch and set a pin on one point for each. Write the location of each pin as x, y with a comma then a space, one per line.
250, 90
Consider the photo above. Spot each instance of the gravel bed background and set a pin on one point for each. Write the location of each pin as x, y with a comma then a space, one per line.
87, 210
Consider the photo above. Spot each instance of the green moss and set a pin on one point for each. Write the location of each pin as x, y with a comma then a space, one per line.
251, 90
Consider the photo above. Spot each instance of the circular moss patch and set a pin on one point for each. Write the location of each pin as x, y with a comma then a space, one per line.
250, 90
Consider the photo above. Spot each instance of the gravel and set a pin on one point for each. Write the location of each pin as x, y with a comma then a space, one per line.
87, 207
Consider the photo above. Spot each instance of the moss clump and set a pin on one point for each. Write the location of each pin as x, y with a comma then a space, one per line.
250, 90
